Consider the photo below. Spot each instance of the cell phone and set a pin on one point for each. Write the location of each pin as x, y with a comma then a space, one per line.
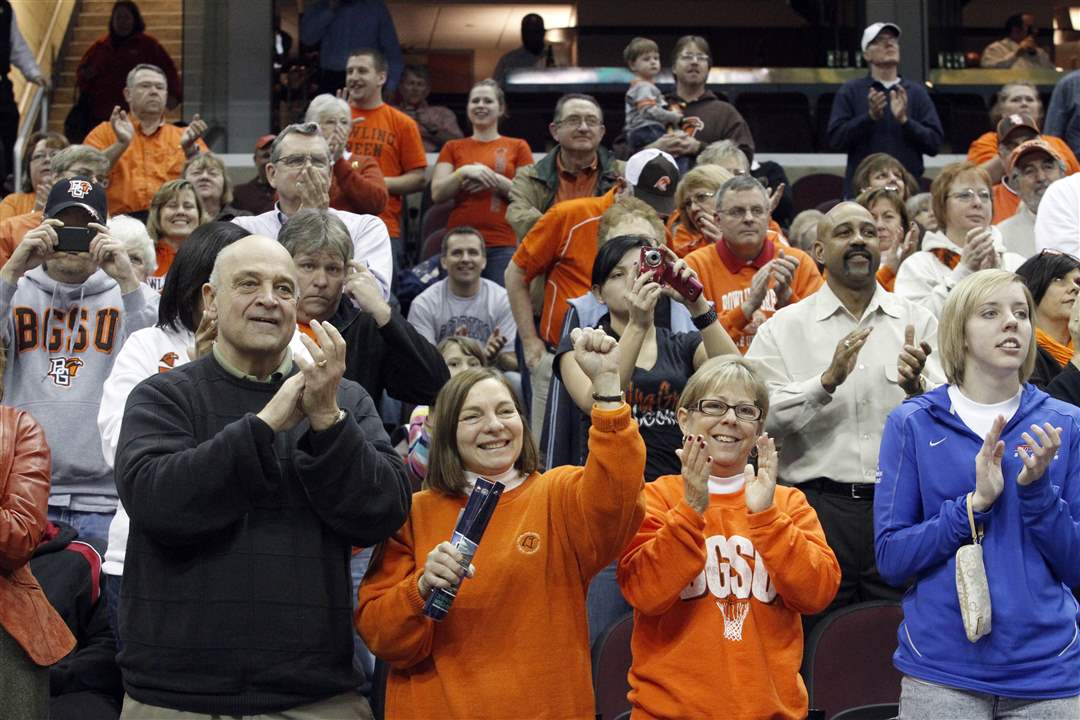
73, 239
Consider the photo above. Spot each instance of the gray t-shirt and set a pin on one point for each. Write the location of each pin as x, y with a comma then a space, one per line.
438, 313
645, 105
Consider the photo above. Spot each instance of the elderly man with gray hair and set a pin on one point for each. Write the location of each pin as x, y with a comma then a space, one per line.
144, 151
299, 169
356, 182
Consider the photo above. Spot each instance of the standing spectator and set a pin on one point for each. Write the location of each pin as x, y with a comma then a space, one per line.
207, 173
836, 364
356, 182
102, 73
1062, 117
437, 123
1012, 131
477, 173
883, 112
706, 118
1019, 49
990, 455
1031, 168
883, 170
533, 53
896, 238
386, 134
175, 212
13, 51
340, 26
144, 151
37, 175
257, 195
1052, 279
647, 113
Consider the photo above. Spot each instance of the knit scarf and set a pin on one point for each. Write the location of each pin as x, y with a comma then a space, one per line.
947, 257
1060, 353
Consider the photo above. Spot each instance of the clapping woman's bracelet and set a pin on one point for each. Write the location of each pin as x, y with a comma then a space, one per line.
607, 398
705, 319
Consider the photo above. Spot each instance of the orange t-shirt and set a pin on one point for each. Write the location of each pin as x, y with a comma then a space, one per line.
525, 607
149, 162
17, 204
14, 229
165, 254
726, 280
1006, 203
718, 600
985, 148
393, 139
486, 211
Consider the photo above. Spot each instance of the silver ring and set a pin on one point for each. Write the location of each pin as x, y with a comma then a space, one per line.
321, 363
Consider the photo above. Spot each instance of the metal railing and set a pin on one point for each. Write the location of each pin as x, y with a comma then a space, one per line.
39, 109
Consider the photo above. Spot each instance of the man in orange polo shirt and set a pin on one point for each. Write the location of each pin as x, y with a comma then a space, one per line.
144, 151
386, 134
748, 273
562, 244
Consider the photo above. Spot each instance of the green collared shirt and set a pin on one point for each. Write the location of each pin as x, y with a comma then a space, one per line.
282, 370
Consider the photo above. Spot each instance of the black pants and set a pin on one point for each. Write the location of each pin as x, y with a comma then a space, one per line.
9, 128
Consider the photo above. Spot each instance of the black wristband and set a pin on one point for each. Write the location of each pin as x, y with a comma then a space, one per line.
607, 398
704, 320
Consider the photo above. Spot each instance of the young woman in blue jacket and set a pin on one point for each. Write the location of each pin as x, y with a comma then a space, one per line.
989, 439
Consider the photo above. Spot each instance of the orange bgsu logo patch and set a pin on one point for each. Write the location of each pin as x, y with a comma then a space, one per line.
528, 543
662, 183
167, 362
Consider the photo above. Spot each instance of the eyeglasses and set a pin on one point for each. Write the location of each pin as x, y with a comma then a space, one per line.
576, 120
969, 195
692, 57
738, 213
298, 161
719, 408
700, 198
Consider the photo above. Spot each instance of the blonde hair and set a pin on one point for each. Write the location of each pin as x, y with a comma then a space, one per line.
722, 372
629, 207
703, 177
939, 189
963, 301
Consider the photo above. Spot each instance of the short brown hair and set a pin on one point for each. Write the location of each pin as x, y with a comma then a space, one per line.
629, 207
467, 345
53, 140
638, 47
704, 177
869, 197
165, 193
462, 230
316, 230
377, 58
446, 473
939, 189
686, 41
200, 160
882, 161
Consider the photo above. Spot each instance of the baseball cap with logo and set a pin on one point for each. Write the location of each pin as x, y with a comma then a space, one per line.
654, 175
78, 192
1031, 146
1014, 121
873, 30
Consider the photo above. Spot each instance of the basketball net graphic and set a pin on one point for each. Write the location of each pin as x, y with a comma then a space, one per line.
734, 611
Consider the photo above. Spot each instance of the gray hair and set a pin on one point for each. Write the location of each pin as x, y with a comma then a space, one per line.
715, 152
322, 104
133, 234
74, 155
145, 66
308, 129
740, 183
315, 230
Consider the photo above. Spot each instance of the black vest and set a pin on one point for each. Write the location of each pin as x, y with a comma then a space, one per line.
6, 18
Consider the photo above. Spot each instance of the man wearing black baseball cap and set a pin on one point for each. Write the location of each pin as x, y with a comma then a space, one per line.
68, 299
883, 113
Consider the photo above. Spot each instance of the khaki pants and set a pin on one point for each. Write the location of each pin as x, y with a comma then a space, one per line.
346, 706
540, 378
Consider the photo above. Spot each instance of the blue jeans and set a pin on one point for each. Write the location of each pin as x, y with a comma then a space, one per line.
498, 258
363, 659
111, 589
605, 604
89, 525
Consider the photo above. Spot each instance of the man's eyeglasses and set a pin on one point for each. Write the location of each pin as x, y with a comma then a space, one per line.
719, 408
298, 161
738, 213
577, 120
692, 57
968, 195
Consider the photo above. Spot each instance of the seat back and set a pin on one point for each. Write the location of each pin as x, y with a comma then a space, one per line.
848, 659
781, 121
809, 191
610, 665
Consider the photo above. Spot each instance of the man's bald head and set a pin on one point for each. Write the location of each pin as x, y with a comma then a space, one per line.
248, 247
844, 211
847, 246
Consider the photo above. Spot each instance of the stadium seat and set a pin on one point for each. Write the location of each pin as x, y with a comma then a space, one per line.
809, 191
435, 218
610, 665
886, 711
780, 121
848, 662
432, 244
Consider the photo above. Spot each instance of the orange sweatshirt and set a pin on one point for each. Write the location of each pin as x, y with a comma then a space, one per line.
516, 642
717, 602
727, 279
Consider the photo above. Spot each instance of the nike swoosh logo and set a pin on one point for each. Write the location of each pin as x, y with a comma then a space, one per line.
935, 443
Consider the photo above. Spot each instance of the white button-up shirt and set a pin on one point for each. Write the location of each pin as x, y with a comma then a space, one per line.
836, 436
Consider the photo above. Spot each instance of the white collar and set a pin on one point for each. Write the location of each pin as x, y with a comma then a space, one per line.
510, 479
726, 485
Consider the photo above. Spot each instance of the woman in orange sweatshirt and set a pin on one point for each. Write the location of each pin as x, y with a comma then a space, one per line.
515, 642
723, 566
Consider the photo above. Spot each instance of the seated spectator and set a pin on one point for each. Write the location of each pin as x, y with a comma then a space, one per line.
896, 237
71, 162
647, 114
1018, 98
883, 170
1019, 49
836, 365
577, 521
1031, 168
477, 172
208, 175
143, 150
466, 304
577, 167
37, 175
976, 457
356, 182
383, 351
803, 229
966, 242
1013, 130
1052, 278
723, 625
102, 74
175, 211
748, 273
437, 124
257, 195
299, 169
68, 314
921, 211
730, 156
1066, 384
694, 221
137, 243
533, 52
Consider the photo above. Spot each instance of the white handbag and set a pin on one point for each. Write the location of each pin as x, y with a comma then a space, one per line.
971, 587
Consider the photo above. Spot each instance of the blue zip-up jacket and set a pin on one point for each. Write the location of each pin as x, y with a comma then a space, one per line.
852, 131
1031, 549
